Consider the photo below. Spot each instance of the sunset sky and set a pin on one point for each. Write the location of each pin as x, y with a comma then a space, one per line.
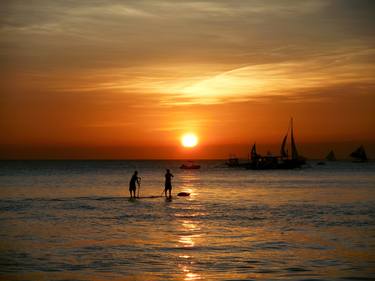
125, 79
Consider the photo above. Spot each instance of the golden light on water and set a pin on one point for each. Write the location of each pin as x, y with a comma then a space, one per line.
188, 239
192, 276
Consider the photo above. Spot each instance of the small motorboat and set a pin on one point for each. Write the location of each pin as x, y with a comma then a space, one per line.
190, 166
232, 162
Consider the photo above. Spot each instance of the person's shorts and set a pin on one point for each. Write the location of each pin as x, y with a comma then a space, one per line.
168, 187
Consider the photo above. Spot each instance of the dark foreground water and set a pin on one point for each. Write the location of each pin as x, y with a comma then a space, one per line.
71, 220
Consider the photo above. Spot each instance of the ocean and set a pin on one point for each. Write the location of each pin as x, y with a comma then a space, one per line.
72, 220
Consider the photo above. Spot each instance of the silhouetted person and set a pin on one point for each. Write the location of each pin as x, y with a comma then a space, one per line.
168, 183
133, 184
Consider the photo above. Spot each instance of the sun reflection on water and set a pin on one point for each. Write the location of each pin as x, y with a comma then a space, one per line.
192, 276
188, 182
189, 225
190, 234
188, 240
188, 274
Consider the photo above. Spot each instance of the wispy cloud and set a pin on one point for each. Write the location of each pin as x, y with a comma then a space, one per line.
214, 83
188, 52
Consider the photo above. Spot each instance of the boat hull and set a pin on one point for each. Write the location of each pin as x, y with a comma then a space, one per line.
194, 167
275, 164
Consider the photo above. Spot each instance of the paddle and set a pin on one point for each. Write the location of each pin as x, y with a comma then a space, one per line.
139, 186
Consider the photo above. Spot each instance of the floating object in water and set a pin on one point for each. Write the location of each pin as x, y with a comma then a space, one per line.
190, 166
183, 194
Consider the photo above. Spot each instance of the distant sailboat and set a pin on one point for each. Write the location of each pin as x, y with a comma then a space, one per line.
253, 154
331, 156
359, 154
294, 160
283, 151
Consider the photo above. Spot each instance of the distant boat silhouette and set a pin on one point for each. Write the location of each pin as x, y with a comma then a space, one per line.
259, 162
294, 160
331, 156
232, 161
359, 154
284, 161
190, 166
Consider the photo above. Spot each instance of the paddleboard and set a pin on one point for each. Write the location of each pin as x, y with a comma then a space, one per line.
181, 194
145, 197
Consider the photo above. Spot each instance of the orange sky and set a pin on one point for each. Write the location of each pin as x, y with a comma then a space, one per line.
125, 79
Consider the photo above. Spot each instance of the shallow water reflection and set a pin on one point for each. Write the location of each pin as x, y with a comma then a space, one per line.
236, 225
187, 239
189, 276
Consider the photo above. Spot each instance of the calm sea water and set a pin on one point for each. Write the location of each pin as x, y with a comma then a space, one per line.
72, 220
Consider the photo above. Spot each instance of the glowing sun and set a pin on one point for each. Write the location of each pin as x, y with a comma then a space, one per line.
189, 140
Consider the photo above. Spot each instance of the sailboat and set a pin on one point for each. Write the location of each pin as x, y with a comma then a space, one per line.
294, 160
331, 156
253, 153
359, 154
260, 162
284, 161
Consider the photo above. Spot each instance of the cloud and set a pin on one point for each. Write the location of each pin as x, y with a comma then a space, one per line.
188, 52
213, 83
97, 36
275, 79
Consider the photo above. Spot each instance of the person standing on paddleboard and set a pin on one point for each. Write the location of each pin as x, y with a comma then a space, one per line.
133, 184
168, 183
